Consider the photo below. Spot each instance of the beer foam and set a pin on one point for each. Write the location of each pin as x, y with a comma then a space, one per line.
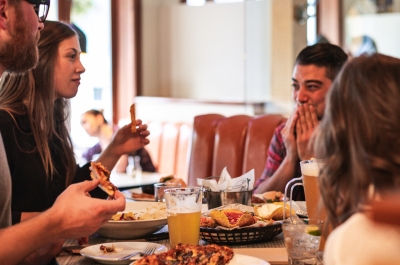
310, 169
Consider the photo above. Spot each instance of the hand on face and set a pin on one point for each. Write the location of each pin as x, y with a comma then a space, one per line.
125, 141
289, 135
79, 215
306, 124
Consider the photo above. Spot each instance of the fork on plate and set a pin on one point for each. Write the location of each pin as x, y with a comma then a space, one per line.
150, 248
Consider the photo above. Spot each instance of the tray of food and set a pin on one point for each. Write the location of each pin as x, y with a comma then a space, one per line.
241, 224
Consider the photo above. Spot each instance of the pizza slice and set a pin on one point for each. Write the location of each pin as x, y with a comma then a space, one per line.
183, 254
101, 173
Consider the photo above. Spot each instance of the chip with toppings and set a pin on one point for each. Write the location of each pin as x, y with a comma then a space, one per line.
232, 218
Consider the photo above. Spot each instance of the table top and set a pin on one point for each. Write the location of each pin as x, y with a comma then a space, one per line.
124, 181
272, 251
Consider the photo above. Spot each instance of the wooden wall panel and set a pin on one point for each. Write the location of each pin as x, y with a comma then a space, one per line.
329, 20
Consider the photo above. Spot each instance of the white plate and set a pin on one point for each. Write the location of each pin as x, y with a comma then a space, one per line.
136, 228
128, 194
122, 249
239, 259
298, 206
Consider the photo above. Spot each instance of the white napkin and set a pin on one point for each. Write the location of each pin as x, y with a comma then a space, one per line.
228, 184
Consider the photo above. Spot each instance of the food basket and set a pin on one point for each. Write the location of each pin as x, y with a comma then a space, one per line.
240, 236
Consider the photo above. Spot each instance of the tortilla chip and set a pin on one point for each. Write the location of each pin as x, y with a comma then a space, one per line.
271, 211
232, 218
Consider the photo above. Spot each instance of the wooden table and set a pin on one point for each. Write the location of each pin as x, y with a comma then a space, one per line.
272, 251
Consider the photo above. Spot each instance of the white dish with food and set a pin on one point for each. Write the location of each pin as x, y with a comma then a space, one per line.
298, 206
122, 249
151, 217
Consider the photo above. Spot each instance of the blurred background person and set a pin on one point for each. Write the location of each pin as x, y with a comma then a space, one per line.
96, 125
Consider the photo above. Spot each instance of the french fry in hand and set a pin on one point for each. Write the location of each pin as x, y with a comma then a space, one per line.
133, 118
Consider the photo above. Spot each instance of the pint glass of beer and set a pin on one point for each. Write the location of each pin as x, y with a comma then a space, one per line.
310, 170
183, 214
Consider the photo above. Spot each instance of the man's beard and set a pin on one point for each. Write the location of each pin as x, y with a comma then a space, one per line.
20, 53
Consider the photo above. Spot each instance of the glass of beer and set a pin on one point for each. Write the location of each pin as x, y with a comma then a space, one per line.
310, 170
183, 214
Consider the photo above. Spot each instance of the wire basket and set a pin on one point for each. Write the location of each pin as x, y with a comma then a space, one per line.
240, 236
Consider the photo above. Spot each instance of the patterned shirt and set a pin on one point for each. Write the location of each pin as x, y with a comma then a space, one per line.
276, 154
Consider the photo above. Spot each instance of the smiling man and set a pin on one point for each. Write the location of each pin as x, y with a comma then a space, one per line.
73, 214
315, 69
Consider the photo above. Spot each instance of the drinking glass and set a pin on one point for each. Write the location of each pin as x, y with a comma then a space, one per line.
159, 189
302, 240
183, 214
310, 170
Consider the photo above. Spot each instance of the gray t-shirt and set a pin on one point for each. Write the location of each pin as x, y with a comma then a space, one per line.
5, 188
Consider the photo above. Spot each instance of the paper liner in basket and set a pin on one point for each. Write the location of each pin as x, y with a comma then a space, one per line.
228, 184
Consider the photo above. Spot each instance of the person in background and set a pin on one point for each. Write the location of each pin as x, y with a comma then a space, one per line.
33, 115
359, 139
73, 214
315, 68
96, 125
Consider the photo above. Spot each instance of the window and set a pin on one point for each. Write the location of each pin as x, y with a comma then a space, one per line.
95, 90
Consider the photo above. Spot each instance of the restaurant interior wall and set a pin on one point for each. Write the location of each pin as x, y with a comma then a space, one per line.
237, 52
369, 23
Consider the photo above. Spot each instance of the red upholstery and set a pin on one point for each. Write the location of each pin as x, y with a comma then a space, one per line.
259, 134
228, 152
239, 143
200, 163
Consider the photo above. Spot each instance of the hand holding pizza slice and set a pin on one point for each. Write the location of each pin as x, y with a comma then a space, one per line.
103, 175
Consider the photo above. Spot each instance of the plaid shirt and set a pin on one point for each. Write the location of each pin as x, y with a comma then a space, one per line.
276, 154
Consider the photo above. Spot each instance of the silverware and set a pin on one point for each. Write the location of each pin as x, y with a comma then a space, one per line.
130, 255
150, 248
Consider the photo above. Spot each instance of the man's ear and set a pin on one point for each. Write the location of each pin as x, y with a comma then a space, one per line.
4, 13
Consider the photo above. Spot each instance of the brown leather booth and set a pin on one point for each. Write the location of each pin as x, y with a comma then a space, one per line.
239, 143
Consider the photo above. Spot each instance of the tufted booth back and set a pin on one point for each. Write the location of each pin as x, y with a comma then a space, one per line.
239, 143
